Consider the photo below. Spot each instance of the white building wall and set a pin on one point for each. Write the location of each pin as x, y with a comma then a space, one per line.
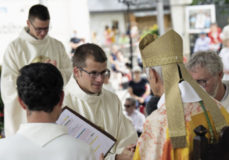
13, 16
66, 16
179, 22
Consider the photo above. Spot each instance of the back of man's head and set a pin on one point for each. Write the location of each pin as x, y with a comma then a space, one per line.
40, 86
88, 50
206, 59
38, 11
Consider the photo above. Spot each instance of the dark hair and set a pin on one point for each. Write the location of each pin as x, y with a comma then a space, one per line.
84, 51
39, 11
132, 101
40, 86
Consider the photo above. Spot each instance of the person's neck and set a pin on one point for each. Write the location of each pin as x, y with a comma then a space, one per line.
40, 117
28, 31
130, 113
221, 92
137, 79
161, 90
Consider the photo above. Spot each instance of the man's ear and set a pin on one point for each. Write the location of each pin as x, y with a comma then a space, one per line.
61, 99
28, 23
153, 75
76, 71
221, 75
22, 103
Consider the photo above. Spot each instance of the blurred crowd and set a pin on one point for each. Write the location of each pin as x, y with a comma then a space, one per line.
216, 40
165, 101
127, 77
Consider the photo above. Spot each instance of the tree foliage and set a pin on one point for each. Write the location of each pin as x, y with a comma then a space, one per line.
218, 2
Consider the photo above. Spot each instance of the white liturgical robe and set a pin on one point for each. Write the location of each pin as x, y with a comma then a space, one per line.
105, 111
44, 141
20, 52
225, 100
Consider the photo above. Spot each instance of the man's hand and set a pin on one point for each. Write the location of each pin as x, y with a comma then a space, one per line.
140, 99
53, 62
101, 156
127, 153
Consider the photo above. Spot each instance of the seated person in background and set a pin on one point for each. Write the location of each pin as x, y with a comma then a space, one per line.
207, 69
75, 41
224, 53
119, 68
184, 105
202, 43
139, 87
107, 84
40, 90
134, 115
214, 35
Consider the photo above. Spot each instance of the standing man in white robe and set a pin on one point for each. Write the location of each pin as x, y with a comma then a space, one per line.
32, 45
85, 95
40, 90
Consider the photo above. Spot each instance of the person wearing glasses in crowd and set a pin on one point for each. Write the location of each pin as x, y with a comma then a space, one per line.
40, 91
206, 68
134, 115
32, 45
85, 94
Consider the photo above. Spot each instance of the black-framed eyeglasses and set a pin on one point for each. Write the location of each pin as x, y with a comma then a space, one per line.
203, 82
127, 105
94, 74
38, 29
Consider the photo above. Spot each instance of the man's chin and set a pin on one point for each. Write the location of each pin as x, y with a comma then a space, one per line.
41, 38
97, 90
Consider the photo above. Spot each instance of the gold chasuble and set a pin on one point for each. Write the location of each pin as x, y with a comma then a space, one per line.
174, 118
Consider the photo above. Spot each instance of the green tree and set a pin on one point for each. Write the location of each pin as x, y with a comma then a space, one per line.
219, 2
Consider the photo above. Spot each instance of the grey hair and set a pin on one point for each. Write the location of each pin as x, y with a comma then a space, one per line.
206, 59
158, 69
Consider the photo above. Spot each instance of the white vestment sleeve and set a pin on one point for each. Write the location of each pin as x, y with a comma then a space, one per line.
65, 65
13, 113
126, 134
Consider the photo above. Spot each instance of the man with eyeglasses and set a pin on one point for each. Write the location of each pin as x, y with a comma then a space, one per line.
134, 115
32, 45
183, 106
206, 68
40, 93
85, 94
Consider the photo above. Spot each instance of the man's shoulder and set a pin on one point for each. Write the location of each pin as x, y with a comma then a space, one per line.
137, 112
11, 142
107, 94
226, 82
157, 118
140, 115
16, 42
54, 40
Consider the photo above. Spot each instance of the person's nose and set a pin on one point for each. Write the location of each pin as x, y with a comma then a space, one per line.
100, 78
43, 32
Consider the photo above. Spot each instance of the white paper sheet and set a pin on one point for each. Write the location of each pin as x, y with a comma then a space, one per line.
87, 132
